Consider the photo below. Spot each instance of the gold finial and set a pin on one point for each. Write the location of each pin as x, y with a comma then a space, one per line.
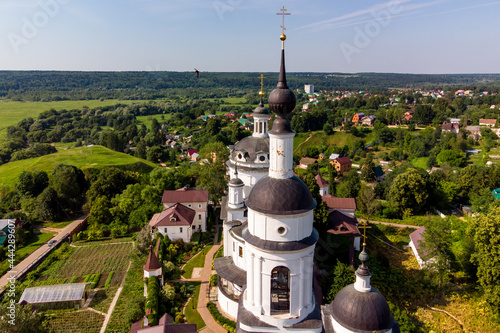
283, 36
261, 92
364, 226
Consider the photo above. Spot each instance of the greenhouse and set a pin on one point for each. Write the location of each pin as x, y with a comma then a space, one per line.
61, 296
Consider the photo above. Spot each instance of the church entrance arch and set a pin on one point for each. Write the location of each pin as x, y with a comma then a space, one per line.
280, 290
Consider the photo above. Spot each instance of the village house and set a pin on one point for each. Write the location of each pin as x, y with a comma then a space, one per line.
342, 165
487, 122
193, 155
176, 222
323, 185
455, 120
449, 127
346, 206
305, 162
369, 120
417, 245
474, 131
357, 117
191, 198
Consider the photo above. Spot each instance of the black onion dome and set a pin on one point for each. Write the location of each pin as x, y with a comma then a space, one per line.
236, 181
280, 196
261, 109
252, 145
361, 311
282, 100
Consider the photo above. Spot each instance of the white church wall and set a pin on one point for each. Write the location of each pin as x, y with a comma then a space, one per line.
280, 228
227, 305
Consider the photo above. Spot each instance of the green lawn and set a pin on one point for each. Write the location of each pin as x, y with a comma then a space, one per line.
196, 261
420, 162
148, 120
12, 113
82, 157
192, 315
57, 225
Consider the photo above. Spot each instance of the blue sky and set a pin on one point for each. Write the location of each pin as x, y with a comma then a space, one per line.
402, 36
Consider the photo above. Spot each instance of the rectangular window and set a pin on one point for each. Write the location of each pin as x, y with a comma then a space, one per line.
233, 246
180, 230
241, 251
165, 230
199, 216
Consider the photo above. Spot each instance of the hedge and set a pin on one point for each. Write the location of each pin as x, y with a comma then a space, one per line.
220, 319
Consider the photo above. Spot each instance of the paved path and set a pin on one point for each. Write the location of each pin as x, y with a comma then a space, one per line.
203, 298
113, 303
35, 255
392, 224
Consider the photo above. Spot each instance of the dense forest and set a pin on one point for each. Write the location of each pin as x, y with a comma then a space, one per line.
59, 85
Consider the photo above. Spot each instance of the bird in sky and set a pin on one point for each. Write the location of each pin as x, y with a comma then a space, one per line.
197, 73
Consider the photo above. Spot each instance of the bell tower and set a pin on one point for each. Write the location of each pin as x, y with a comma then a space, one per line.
280, 238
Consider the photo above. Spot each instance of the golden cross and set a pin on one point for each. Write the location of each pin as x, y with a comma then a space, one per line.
283, 10
364, 226
262, 77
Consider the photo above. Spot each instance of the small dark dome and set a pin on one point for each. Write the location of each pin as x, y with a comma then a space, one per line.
261, 109
252, 146
236, 181
360, 311
280, 196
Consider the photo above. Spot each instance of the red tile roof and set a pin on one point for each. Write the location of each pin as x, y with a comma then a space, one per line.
339, 203
321, 181
488, 121
343, 160
152, 264
192, 151
185, 194
341, 224
177, 215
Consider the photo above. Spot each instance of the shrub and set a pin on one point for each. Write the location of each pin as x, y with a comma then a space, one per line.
213, 280
219, 318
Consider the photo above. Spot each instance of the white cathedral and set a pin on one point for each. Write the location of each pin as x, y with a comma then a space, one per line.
267, 272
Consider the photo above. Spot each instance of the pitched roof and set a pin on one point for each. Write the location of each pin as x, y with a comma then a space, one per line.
447, 127
307, 160
192, 151
185, 194
341, 224
417, 237
339, 203
321, 181
488, 121
176, 215
343, 160
152, 263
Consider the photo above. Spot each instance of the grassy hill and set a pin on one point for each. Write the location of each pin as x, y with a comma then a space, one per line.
82, 157
303, 141
12, 112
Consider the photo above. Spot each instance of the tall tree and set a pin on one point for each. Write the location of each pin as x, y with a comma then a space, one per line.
368, 169
70, 185
409, 191
487, 253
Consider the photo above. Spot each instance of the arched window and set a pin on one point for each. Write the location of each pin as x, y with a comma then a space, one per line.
280, 290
